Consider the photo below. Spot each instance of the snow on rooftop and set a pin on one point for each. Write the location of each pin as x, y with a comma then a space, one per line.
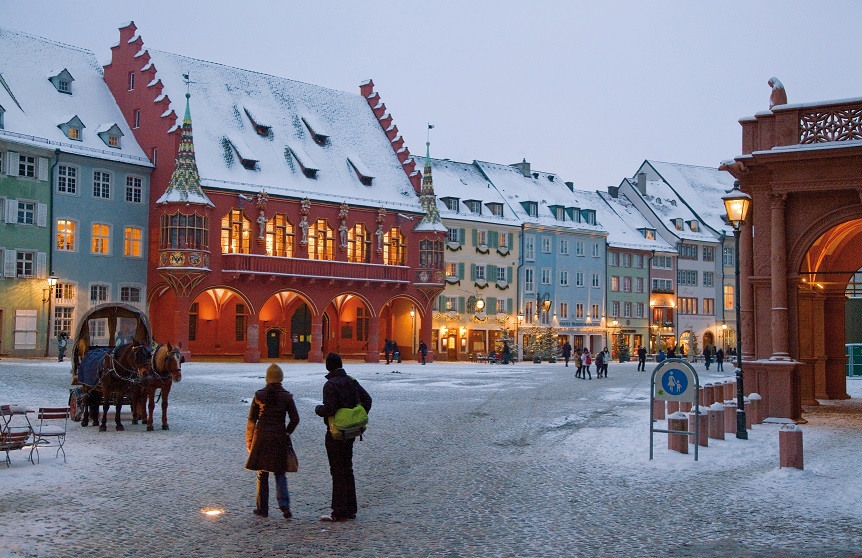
27, 59
466, 182
282, 104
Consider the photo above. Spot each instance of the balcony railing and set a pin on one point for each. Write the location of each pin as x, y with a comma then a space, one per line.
803, 124
323, 269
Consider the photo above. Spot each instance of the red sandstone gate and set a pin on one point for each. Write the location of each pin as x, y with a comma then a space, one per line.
802, 166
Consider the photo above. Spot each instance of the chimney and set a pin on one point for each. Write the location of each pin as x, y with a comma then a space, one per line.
614, 191
642, 183
524, 167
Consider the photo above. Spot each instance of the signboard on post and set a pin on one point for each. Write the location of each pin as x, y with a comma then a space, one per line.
674, 380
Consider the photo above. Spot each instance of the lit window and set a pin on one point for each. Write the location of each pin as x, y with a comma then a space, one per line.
101, 239
279, 236
132, 242
65, 235
235, 232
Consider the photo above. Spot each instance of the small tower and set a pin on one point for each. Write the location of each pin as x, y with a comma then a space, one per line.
184, 253
427, 198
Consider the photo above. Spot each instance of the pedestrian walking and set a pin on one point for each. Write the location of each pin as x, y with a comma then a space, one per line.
267, 440
641, 359
587, 362
719, 360
567, 352
707, 356
606, 359
506, 352
579, 362
62, 342
423, 351
599, 363
340, 391
387, 349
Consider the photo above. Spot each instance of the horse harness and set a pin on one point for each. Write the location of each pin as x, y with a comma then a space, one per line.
132, 375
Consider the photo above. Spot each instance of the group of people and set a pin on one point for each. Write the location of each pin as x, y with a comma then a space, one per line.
583, 360
268, 438
718, 355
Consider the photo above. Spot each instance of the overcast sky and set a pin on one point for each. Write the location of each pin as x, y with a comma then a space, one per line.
584, 89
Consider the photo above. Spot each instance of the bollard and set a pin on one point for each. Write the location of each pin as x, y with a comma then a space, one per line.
790, 446
658, 409
756, 408
672, 407
703, 433
747, 408
729, 417
701, 396
715, 419
685, 406
677, 442
730, 389
709, 395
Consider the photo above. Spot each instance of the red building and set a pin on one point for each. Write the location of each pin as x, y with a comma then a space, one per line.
288, 224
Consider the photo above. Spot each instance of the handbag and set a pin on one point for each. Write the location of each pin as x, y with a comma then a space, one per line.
292, 461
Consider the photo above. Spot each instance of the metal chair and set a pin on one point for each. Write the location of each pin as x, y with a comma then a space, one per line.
12, 437
50, 424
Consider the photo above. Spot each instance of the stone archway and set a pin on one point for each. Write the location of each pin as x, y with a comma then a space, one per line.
802, 166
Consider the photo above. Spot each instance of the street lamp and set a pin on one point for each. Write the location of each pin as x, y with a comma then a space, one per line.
413, 330
737, 203
47, 295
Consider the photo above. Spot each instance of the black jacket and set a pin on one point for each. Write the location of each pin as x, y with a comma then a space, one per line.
341, 391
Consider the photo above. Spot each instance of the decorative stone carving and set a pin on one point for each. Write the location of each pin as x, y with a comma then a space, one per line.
778, 95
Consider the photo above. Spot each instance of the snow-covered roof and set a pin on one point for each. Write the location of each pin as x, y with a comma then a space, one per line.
546, 190
34, 107
701, 189
347, 136
625, 226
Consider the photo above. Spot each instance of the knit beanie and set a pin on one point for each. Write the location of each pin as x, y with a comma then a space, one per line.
274, 375
333, 362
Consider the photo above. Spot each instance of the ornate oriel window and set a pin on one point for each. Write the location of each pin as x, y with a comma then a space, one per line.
179, 230
358, 244
431, 254
394, 247
235, 232
321, 242
279, 236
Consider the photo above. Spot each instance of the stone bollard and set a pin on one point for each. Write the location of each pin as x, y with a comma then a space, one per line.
701, 396
729, 389
709, 395
703, 433
672, 407
790, 446
747, 408
730, 417
756, 408
677, 442
685, 406
658, 409
715, 418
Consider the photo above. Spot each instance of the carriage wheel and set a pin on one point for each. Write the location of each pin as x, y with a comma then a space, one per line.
73, 405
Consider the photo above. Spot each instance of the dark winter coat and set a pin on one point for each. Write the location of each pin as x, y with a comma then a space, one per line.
341, 391
266, 432
567, 350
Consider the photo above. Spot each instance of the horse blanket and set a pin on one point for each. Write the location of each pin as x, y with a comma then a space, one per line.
88, 370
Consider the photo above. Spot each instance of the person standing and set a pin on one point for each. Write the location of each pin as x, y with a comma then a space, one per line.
606, 359
579, 363
660, 357
340, 391
587, 362
62, 341
506, 352
423, 351
387, 349
567, 352
641, 359
396, 352
267, 440
707, 356
599, 363
719, 360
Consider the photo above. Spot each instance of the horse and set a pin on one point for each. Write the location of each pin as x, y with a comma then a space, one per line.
121, 375
166, 369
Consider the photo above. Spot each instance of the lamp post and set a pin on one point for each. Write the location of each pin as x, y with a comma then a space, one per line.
413, 330
47, 295
518, 336
737, 203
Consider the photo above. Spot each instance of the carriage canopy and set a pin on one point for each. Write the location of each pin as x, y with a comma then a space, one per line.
109, 325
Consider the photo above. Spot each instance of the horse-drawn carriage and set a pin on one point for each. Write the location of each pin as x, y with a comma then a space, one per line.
115, 361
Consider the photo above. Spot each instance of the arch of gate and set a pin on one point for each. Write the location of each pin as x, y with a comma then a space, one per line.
350, 327
802, 166
285, 320
218, 319
402, 320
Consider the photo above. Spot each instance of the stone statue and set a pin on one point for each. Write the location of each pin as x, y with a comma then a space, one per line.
778, 95
304, 226
379, 234
261, 222
342, 234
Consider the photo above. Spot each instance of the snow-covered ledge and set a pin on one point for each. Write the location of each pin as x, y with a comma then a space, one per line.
482, 249
502, 285
503, 251
454, 246
481, 283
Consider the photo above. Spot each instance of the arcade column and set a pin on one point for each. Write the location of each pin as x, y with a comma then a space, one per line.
373, 354
315, 354
252, 340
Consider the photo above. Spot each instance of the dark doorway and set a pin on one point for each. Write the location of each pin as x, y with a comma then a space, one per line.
273, 343
300, 332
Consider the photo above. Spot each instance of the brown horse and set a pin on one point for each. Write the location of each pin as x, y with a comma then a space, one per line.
166, 369
120, 376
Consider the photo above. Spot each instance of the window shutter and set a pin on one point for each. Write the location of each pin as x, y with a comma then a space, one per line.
461, 236
42, 215
491, 305
11, 163
11, 211
491, 273
492, 239
473, 233
43, 168
41, 264
511, 239
472, 272
460, 270
508, 305
461, 304
9, 257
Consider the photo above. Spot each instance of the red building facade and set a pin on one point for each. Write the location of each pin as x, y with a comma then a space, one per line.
284, 223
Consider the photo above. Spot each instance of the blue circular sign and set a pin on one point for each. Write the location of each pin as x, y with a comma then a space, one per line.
674, 381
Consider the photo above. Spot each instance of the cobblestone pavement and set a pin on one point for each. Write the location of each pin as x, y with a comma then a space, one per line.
486, 461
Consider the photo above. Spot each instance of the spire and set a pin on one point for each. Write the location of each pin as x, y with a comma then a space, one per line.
185, 184
426, 197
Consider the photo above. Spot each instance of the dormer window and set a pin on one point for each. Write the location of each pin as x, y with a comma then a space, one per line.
62, 81
558, 211
576, 214
260, 129
496, 209
649, 234
361, 170
306, 165
451, 203
110, 134
316, 130
73, 128
475, 206
532, 208
2, 112
677, 224
588, 216
242, 153
694, 226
